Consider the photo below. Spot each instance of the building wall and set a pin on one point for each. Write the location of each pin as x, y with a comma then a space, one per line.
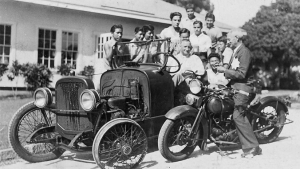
26, 19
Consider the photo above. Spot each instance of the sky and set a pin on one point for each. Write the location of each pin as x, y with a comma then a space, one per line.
237, 12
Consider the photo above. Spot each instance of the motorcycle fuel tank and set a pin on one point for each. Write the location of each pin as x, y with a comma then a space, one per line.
217, 105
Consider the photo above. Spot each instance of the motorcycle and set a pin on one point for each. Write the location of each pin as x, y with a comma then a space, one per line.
208, 115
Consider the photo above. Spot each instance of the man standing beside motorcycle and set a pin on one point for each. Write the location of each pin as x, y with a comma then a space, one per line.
239, 72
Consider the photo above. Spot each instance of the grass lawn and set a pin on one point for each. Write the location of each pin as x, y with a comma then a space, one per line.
7, 109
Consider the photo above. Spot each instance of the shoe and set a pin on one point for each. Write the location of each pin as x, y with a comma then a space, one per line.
252, 152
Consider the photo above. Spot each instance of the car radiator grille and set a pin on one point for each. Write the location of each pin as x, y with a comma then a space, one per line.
67, 96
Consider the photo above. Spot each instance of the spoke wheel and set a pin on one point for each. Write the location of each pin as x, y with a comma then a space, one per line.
120, 143
26, 120
275, 114
173, 141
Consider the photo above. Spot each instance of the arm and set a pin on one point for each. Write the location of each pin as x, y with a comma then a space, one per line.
108, 50
241, 71
198, 66
208, 44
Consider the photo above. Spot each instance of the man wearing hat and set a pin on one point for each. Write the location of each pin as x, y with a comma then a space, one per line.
239, 72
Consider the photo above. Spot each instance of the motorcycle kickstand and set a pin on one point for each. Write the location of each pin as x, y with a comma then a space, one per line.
222, 153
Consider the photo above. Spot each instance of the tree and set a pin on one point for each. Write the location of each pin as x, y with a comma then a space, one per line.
275, 32
199, 4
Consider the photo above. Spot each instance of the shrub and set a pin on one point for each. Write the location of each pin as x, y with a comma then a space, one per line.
15, 71
64, 69
36, 76
88, 71
3, 69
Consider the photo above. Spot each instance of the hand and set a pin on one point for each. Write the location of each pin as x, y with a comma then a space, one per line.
221, 69
255, 100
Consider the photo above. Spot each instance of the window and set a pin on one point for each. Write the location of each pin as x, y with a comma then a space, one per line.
5, 43
69, 48
100, 42
47, 47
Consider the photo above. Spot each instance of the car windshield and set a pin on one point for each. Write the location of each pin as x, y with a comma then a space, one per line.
152, 51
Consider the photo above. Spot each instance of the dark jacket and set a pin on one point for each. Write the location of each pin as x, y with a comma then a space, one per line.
241, 74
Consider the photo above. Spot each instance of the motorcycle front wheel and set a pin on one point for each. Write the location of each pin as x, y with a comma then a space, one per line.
173, 141
270, 127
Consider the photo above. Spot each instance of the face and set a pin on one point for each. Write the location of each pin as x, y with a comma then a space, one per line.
184, 36
232, 41
190, 13
117, 35
176, 21
197, 29
221, 46
148, 35
209, 22
214, 61
139, 36
186, 48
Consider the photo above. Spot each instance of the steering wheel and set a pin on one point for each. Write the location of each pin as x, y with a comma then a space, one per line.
178, 63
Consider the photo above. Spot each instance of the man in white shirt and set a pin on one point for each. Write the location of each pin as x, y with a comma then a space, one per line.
146, 49
134, 47
224, 51
173, 30
214, 77
199, 40
188, 22
187, 62
211, 30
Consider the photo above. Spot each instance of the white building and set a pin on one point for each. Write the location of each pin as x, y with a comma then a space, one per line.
53, 32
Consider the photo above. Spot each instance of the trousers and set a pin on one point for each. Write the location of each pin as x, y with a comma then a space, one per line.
243, 127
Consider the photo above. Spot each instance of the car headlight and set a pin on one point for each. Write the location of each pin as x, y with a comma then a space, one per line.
195, 86
89, 99
42, 97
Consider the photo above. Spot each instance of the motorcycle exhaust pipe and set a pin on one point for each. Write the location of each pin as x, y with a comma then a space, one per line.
221, 142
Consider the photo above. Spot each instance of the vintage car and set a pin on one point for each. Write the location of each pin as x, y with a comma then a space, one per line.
116, 123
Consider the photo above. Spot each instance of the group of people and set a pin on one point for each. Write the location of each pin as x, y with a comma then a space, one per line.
203, 50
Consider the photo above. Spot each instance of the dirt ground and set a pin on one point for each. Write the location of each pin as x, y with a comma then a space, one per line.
283, 153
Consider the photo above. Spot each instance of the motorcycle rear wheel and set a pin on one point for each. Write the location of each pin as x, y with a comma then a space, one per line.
24, 122
272, 111
169, 137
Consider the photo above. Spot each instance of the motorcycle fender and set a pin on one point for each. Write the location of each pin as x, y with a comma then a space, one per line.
269, 99
181, 111
186, 110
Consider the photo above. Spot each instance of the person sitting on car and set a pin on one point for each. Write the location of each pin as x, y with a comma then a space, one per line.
134, 47
147, 49
187, 61
214, 77
111, 49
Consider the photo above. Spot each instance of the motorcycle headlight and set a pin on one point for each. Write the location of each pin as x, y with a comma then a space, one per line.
195, 86
42, 97
191, 99
89, 98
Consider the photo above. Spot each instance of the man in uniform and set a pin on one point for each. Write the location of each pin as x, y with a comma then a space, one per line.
239, 72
